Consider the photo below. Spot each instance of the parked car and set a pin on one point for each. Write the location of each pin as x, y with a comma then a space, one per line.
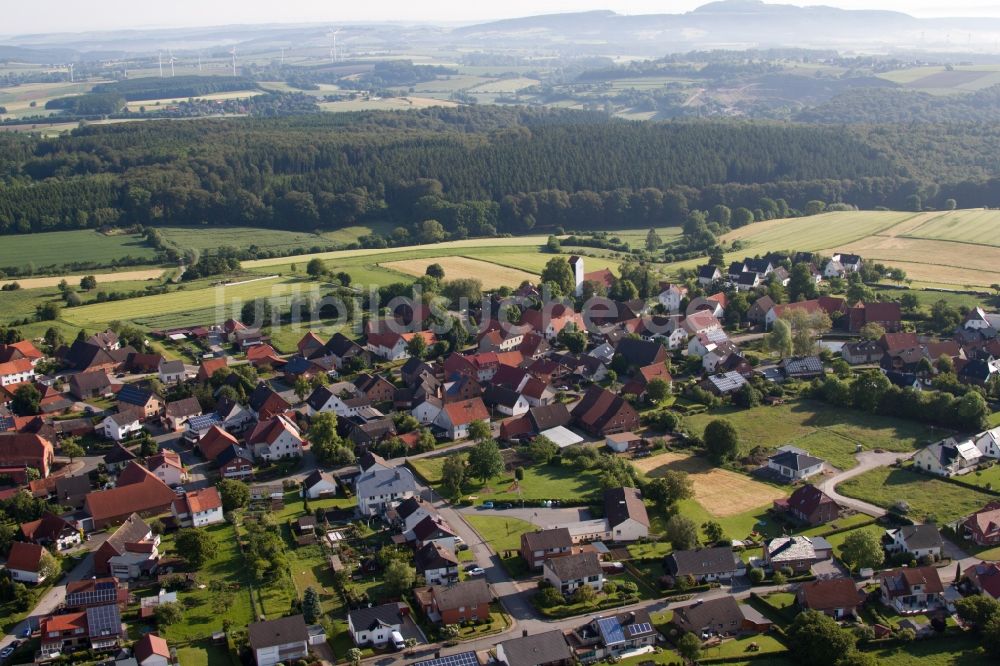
477, 571
6, 652
487, 505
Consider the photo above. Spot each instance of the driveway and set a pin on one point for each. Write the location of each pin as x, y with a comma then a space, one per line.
867, 460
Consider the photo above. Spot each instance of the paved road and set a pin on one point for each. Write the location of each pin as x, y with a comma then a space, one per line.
867, 460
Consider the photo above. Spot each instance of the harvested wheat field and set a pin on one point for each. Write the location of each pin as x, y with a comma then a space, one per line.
74, 280
455, 268
720, 492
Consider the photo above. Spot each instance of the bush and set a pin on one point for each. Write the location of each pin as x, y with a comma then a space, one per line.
549, 598
756, 575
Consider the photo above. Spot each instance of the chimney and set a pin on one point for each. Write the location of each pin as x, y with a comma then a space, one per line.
524, 633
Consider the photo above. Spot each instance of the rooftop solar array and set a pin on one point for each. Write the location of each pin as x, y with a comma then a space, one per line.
103, 593
729, 381
460, 659
204, 422
611, 630
104, 621
640, 628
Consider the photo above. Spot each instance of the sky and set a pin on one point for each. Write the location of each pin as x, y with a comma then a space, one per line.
73, 16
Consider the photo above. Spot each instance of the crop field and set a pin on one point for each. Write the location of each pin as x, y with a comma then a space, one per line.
385, 104
978, 226
56, 248
209, 238
504, 85
816, 232
213, 97
450, 84
721, 492
18, 99
102, 278
491, 275
926, 495
939, 80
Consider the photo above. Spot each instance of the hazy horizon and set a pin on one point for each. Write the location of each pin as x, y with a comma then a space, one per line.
51, 16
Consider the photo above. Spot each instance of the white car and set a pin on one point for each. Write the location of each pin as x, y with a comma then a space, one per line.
477, 571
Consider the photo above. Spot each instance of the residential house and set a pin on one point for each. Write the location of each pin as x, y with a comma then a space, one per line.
809, 505
725, 383
757, 314
622, 442
179, 412
319, 484
545, 649
911, 590
343, 399
798, 553
22, 349
455, 418
626, 514
346, 351
839, 598
988, 443
88, 385
374, 387
97, 627
504, 400
437, 564
802, 367
18, 371
722, 616
137, 491
671, 295
411, 511
144, 400
171, 372
210, 366
235, 462
266, 403
862, 352
948, 457
703, 342
984, 578
640, 379
602, 412
705, 564
379, 489
825, 304
983, 527
51, 530
609, 636
123, 425
468, 601
552, 319
391, 345
541, 545
433, 529
841, 264
96, 592
20, 450
198, 508
886, 314
275, 438
284, 640
24, 562
151, 650
70, 491
708, 275
915, 540
373, 626
214, 441
167, 467
794, 464
575, 570
130, 552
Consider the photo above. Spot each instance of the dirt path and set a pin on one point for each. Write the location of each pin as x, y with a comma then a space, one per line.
102, 278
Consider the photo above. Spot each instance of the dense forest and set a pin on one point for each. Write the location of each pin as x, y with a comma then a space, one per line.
476, 170
887, 105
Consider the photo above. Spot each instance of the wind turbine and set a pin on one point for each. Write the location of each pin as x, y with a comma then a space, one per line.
199, 62
159, 57
282, 55
232, 52
70, 72
172, 61
333, 50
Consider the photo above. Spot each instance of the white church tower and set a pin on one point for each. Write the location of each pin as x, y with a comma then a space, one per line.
576, 263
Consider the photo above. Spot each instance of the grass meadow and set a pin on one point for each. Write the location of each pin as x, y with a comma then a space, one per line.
56, 248
926, 495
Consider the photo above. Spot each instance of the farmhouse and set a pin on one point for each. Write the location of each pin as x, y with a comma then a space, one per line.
50, 529
87, 385
131, 551
137, 491
20, 450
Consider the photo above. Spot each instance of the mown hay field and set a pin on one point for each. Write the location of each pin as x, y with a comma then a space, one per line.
455, 268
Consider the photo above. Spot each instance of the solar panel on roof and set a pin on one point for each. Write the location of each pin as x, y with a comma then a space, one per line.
106, 592
611, 630
640, 628
104, 620
460, 659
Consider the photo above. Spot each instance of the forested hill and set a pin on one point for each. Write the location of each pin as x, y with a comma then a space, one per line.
478, 170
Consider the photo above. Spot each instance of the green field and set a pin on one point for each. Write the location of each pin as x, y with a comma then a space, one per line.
501, 533
821, 429
209, 238
815, 232
976, 226
540, 482
57, 248
926, 495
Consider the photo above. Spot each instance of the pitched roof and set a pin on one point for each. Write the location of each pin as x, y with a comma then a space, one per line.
900, 582
621, 504
90, 381
23, 446
469, 593
270, 633
791, 548
920, 536
209, 366
465, 412
543, 648
721, 612
795, 460
48, 527
133, 394
146, 495
183, 407
269, 430
598, 406
213, 442
434, 556
807, 499
640, 352
363, 619
24, 556
203, 499
557, 537
133, 530
549, 416
830, 594
702, 561
575, 566
150, 645
230, 453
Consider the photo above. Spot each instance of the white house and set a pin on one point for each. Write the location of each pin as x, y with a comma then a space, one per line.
167, 467
274, 439
455, 417
794, 464
717, 354
343, 399
197, 508
948, 457
505, 400
411, 512
284, 640
572, 571
373, 626
427, 410
379, 489
626, 514
320, 484
988, 443
708, 274
671, 295
391, 346
24, 562
122, 425
704, 342
917, 540
17, 371
436, 563
172, 372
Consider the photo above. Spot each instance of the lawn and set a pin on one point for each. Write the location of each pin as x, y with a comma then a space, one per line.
837, 540
541, 482
798, 423
739, 647
988, 478
57, 248
203, 653
961, 650
738, 526
839, 524
926, 495
501, 533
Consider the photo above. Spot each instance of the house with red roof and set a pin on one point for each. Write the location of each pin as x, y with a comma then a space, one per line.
210, 366
137, 491
24, 562
983, 527
51, 530
388, 340
886, 314
552, 319
636, 385
826, 304
263, 356
602, 413
275, 438
837, 597
21, 450
214, 442
455, 417
17, 371
985, 578
130, 552
911, 590
20, 349
151, 650
810, 505
167, 467
197, 508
